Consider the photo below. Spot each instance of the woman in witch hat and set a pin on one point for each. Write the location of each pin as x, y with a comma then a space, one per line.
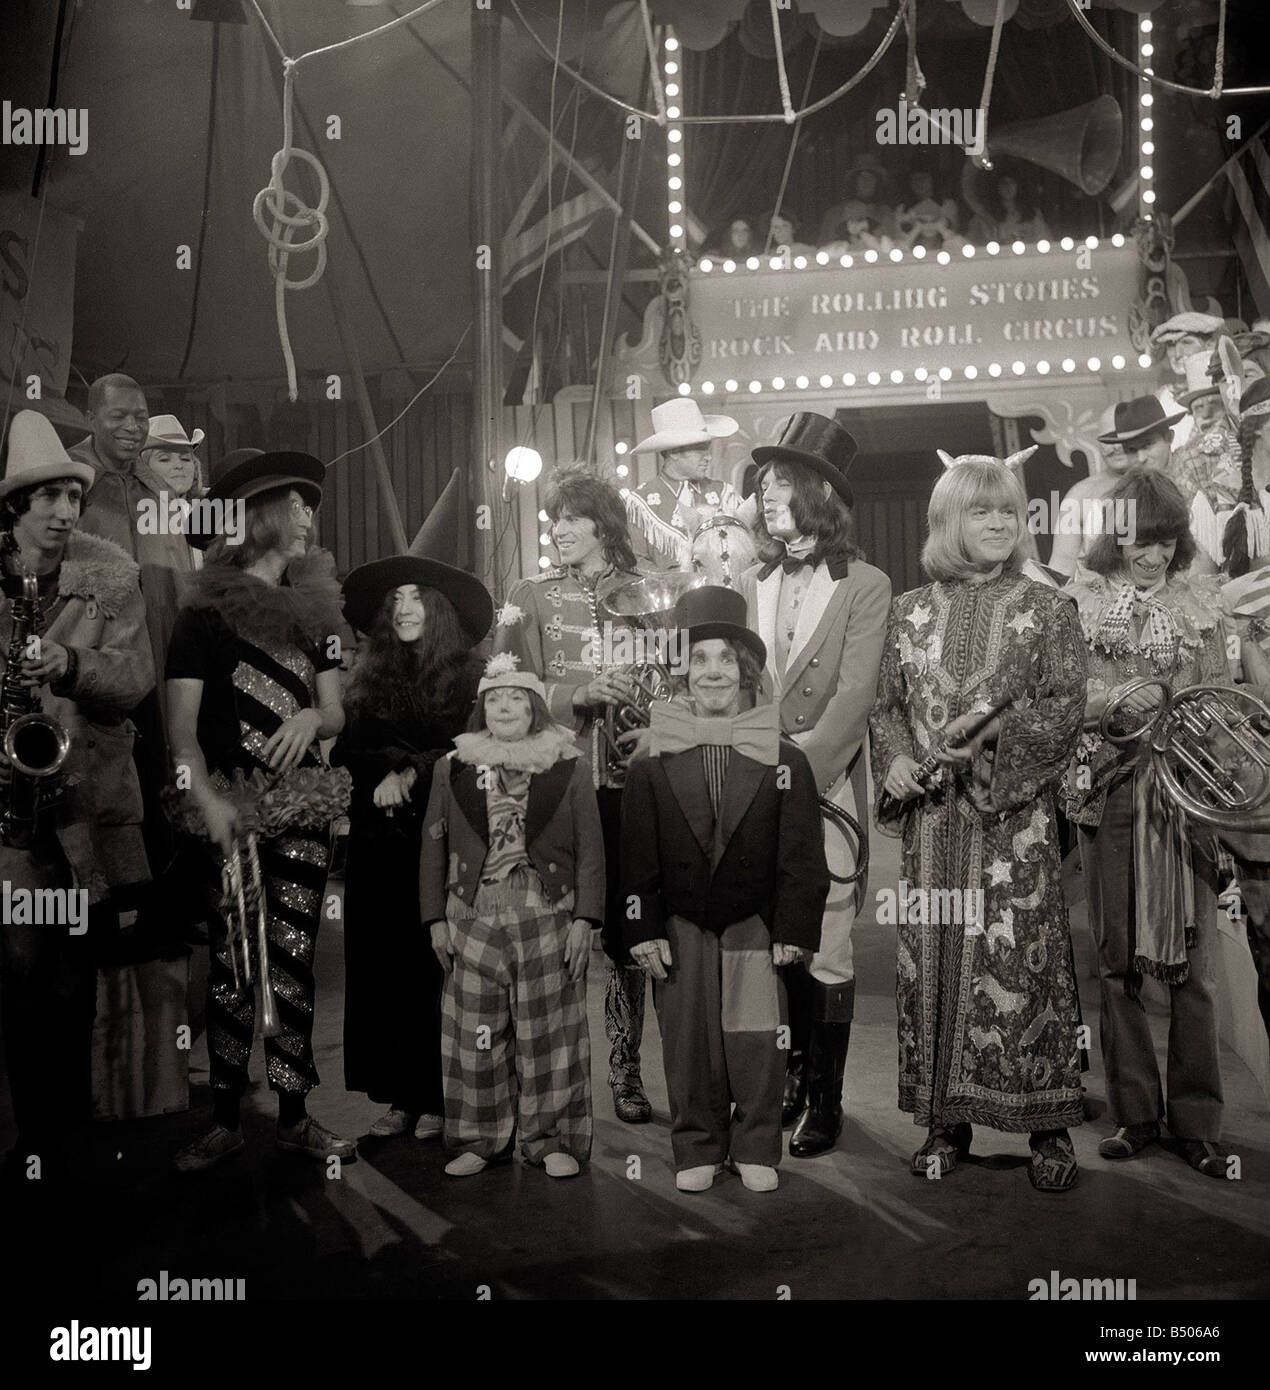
253, 685
411, 692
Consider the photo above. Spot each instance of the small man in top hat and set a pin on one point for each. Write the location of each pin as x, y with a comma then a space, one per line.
92, 667
724, 875
658, 508
821, 613
1180, 337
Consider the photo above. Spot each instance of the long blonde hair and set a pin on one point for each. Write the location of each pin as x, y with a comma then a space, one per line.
973, 483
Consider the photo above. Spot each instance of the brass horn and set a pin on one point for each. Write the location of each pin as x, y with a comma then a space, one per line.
1081, 145
1205, 749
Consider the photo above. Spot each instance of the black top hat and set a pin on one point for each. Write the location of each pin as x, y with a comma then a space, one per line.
714, 611
1142, 415
820, 443
365, 587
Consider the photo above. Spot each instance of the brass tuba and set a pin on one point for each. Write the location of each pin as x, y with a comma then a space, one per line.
244, 907
1209, 749
36, 744
644, 607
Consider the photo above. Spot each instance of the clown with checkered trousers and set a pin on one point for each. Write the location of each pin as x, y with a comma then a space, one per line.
511, 880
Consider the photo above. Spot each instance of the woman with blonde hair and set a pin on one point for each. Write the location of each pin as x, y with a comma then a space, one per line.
983, 670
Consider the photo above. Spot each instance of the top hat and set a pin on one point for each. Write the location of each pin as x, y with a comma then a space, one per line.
246, 473
679, 422
819, 442
166, 433
714, 611
1204, 325
1142, 415
365, 587
36, 455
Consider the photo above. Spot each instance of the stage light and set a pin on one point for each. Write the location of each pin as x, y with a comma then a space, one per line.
730, 385
1148, 196
826, 381
544, 562
992, 248
1067, 243
800, 262
945, 373
1147, 99
1147, 172
675, 182
870, 255
674, 135
752, 263
802, 383
994, 368
672, 90
674, 207
1118, 239
919, 252
967, 250
622, 470
672, 44
685, 389
671, 69
523, 464
1042, 246
1042, 368
1144, 359
1018, 368
707, 388
1117, 362
1147, 147
848, 378
1068, 365
756, 386
621, 446
705, 266
896, 376
874, 378
822, 258
1147, 50
1019, 247
846, 262
672, 113
775, 263
919, 373
1146, 123
729, 267
943, 258
676, 231
544, 540
542, 516
896, 254
778, 383
969, 372
1145, 26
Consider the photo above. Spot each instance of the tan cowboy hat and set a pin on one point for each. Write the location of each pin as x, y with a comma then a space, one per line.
166, 432
36, 455
678, 423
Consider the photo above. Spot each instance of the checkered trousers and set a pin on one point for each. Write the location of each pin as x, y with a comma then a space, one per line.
515, 1050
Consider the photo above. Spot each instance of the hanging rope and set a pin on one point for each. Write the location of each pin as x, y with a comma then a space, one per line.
781, 74
875, 58
994, 48
1213, 92
279, 214
793, 145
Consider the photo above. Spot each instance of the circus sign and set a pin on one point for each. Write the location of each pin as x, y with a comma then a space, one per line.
987, 317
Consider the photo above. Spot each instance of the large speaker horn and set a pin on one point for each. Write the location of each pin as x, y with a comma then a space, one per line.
1082, 145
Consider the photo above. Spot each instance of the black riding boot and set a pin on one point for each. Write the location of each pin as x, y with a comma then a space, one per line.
817, 1131
799, 993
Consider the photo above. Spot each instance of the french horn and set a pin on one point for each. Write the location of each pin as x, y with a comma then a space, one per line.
1208, 748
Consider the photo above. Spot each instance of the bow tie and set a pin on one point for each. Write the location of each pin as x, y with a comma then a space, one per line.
796, 556
755, 734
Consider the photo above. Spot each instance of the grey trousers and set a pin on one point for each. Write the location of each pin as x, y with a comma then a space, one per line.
1134, 1093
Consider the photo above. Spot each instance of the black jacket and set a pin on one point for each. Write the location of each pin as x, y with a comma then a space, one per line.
766, 855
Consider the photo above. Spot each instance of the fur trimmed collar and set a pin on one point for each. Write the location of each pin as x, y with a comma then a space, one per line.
537, 753
95, 568
305, 608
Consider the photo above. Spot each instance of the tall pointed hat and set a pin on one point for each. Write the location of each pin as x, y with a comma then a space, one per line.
431, 563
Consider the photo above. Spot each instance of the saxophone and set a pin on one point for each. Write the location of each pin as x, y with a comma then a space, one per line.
35, 743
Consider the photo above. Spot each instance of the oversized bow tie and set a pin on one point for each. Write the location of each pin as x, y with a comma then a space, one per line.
797, 554
755, 734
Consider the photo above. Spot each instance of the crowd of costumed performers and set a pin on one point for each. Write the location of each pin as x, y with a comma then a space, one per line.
514, 786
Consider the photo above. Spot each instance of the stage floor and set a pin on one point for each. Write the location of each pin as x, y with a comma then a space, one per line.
851, 1224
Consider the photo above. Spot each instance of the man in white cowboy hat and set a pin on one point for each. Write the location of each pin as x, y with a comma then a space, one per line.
658, 508
92, 667
1209, 461
1180, 337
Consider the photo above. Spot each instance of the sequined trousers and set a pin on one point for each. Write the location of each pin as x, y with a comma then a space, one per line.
294, 868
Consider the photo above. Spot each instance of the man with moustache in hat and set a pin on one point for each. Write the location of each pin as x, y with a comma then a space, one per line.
1181, 337
660, 508
821, 613
88, 664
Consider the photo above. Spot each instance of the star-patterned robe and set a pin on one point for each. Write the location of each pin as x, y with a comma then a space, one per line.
987, 1006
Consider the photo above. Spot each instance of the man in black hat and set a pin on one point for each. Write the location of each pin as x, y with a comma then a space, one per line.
821, 612
724, 877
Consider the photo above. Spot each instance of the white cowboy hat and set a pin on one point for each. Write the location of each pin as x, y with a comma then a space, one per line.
166, 432
1198, 381
678, 423
36, 455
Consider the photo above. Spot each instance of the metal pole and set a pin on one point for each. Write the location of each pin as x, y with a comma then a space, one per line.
487, 277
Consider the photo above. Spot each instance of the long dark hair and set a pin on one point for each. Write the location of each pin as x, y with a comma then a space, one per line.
396, 679
585, 495
829, 519
1160, 514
